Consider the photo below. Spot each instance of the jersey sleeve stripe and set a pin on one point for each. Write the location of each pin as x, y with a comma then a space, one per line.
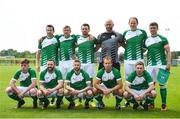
98, 78
118, 79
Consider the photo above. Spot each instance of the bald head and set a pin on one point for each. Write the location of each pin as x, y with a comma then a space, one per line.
109, 25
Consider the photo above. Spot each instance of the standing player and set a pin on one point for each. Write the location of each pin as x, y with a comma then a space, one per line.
51, 85
27, 88
158, 56
135, 39
47, 49
139, 87
110, 41
67, 44
108, 81
86, 50
78, 84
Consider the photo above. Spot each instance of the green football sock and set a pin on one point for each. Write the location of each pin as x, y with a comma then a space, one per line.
89, 98
34, 97
163, 93
131, 99
14, 96
70, 98
118, 99
43, 99
59, 98
99, 98
149, 100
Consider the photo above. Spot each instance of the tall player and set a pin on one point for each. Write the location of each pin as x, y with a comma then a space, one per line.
135, 39
86, 44
158, 56
109, 41
67, 46
47, 49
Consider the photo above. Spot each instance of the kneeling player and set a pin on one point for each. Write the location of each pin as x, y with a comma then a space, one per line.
27, 88
108, 81
139, 87
78, 85
51, 85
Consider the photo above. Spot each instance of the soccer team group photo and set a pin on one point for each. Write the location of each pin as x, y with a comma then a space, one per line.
67, 73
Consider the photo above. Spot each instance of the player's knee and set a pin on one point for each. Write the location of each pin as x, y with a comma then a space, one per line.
120, 92
126, 94
153, 93
9, 90
61, 91
66, 92
89, 93
33, 92
39, 93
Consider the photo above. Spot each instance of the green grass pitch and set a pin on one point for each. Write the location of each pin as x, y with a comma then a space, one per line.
7, 105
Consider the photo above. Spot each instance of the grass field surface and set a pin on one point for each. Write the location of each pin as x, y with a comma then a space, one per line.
7, 105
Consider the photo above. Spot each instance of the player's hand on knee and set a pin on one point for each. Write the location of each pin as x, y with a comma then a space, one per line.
137, 97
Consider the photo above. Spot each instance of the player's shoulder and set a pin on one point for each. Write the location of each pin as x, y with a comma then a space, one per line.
133, 74
18, 72
101, 71
146, 73
43, 72
101, 34
41, 39
57, 36
162, 37
56, 70
126, 31
71, 72
115, 70
116, 33
31, 70
83, 71
142, 30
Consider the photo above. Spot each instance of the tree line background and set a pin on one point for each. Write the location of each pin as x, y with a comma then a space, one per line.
28, 54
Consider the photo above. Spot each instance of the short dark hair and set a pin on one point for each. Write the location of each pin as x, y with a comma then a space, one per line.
51, 60
139, 63
25, 61
154, 24
49, 25
65, 27
134, 18
85, 24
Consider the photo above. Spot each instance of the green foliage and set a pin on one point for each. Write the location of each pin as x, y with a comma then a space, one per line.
11, 52
175, 54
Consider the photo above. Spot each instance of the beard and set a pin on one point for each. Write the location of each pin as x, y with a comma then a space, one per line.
50, 69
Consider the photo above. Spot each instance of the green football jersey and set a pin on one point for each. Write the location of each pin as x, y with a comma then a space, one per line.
139, 82
86, 49
49, 50
155, 50
109, 79
67, 47
77, 81
50, 80
134, 44
25, 78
